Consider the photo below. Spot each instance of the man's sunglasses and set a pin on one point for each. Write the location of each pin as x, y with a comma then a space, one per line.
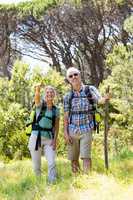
75, 74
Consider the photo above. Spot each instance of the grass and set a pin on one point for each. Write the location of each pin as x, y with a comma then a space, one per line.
17, 181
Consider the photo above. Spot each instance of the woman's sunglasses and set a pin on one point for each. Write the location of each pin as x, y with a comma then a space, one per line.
75, 74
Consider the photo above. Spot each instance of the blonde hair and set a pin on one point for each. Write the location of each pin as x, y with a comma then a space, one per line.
51, 88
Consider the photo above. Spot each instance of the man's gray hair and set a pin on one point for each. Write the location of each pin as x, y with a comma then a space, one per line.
72, 70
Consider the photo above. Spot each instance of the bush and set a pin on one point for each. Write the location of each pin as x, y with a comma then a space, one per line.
12, 138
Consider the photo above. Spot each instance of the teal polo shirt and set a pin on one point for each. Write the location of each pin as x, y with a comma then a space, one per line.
45, 122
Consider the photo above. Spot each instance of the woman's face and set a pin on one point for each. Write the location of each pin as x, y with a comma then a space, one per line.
49, 94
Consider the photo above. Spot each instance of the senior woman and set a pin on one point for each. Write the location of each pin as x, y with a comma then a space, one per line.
45, 127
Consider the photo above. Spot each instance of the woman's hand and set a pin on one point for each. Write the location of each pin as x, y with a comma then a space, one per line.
38, 87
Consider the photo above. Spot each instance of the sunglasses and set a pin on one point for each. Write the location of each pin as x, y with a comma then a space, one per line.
73, 75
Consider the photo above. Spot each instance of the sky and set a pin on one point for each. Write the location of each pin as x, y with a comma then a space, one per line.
33, 63
11, 1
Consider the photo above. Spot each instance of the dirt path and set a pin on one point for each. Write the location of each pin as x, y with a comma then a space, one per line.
105, 188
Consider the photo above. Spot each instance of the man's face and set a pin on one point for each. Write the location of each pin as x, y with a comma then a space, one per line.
74, 78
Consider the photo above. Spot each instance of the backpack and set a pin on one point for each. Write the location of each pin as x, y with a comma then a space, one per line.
42, 114
96, 116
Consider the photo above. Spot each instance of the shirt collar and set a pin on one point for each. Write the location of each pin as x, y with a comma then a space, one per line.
81, 88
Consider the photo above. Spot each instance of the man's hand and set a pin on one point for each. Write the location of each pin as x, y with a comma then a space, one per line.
68, 138
107, 97
104, 99
53, 144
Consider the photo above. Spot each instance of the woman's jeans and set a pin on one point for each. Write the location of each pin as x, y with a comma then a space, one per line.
49, 153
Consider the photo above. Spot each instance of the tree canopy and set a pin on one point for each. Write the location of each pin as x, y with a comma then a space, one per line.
79, 33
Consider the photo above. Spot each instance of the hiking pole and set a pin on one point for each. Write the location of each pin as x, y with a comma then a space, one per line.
106, 128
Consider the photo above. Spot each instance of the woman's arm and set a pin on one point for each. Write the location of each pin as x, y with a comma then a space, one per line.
37, 97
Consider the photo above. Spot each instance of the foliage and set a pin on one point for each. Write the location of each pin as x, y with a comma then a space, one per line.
11, 126
19, 84
128, 24
35, 7
121, 109
4, 85
16, 102
52, 77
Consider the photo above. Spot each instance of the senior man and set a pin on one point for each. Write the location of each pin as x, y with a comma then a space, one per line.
78, 121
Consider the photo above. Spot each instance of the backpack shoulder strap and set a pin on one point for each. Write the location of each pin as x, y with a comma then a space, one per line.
87, 91
91, 101
42, 112
89, 94
44, 105
71, 95
54, 108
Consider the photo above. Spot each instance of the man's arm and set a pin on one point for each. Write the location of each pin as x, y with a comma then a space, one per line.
67, 137
103, 100
97, 96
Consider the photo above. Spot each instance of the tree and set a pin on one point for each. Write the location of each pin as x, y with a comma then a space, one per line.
82, 35
121, 82
8, 24
19, 85
77, 32
10, 16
